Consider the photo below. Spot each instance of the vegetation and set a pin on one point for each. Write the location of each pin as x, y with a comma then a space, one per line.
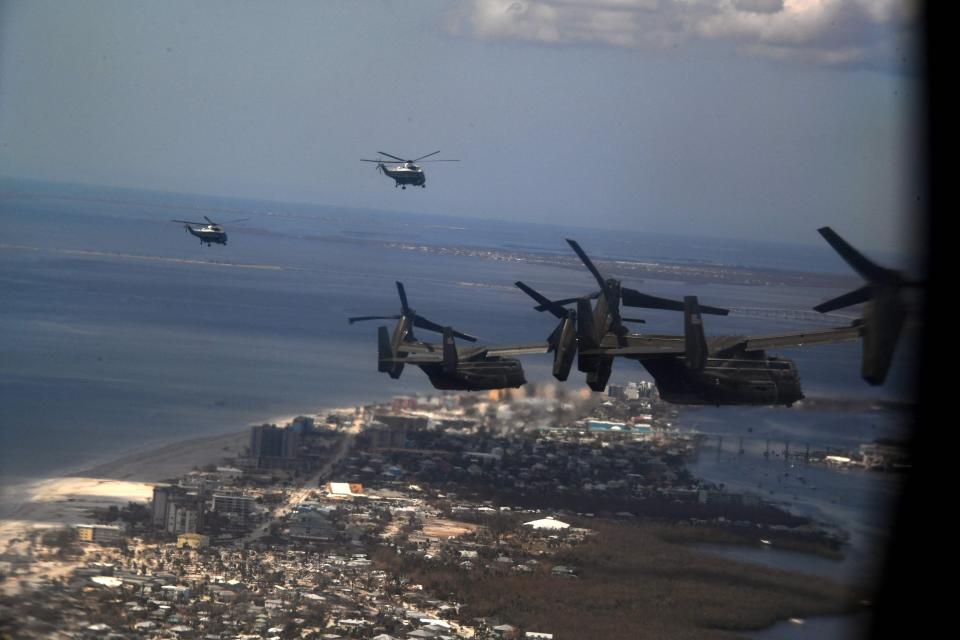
634, 581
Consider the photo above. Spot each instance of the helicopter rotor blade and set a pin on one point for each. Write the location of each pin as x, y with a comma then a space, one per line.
209, 220
441, 160
238, 220
426, 156
390, 155
188, 222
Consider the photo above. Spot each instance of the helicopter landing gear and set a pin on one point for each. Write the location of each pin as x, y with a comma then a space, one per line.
423, 186
404, 187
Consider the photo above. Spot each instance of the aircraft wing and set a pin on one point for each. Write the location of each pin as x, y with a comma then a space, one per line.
420, 347
666, 346
418, 358
424, 353
793, 339
516, 350
640, 345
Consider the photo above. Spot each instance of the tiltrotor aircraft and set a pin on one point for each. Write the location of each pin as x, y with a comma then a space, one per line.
688, 368
448, 366
407, 171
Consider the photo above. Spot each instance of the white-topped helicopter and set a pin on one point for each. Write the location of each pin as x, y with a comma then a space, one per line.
209, 232
406, 172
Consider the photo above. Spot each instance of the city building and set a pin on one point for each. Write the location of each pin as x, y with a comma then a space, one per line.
236, 505
183, 516
311, 525
273, 447
162, 495
99, 533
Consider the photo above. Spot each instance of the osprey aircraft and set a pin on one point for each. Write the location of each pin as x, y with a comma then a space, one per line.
601, 325
209, 232
407, 171
688, 368
448, 366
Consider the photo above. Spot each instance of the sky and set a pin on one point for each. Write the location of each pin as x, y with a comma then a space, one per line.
761, 119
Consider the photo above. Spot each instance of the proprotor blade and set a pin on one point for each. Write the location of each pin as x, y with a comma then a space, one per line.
861, 264
589, 264
423, 323
403, 298
545, 304
857, 296
634, 298
361, 318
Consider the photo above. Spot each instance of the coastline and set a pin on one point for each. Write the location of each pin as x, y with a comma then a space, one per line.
153, 461
69, 499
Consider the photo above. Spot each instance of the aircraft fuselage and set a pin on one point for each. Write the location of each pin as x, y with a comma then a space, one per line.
209, 234
477, 375
752, 379
406, 173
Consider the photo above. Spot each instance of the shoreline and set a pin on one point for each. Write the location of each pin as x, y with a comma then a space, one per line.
68, 496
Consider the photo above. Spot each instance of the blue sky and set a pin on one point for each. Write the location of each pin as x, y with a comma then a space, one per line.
754, 118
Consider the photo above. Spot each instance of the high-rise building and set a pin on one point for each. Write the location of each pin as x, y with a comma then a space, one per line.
176, 510
162, 495
273, 446
183, 516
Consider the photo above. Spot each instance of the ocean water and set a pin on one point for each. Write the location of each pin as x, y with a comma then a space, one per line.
118, 331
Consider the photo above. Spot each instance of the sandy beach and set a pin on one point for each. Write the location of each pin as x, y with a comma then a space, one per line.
67, 500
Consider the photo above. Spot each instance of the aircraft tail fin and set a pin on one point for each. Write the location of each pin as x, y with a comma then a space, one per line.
387, 354
694, 338
450, 358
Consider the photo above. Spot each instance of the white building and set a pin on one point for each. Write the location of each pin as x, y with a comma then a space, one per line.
547, 523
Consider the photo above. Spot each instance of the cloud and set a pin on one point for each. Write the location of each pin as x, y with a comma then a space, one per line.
828, 32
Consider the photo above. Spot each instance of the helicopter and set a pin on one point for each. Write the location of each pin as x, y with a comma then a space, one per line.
449, 367
209, 232
406, 172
